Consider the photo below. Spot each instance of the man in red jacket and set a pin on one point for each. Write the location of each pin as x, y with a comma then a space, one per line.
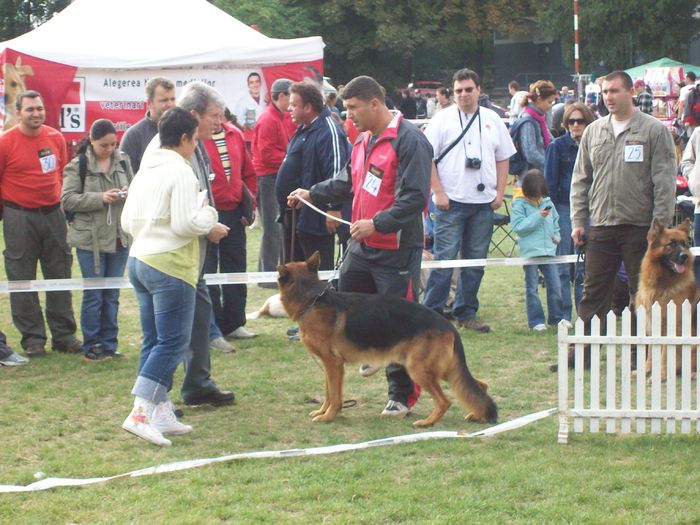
232, 169
389, 176
270, 138
32, 157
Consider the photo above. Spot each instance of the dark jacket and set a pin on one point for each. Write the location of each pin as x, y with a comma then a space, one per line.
136, 139
315, 153
559, 161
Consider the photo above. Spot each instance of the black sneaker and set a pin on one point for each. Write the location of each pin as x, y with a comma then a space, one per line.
294, 330
96, 354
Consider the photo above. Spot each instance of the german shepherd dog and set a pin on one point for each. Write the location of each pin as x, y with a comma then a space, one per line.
666, 274
341, 327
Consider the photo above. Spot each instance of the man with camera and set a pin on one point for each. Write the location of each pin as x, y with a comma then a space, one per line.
472, 147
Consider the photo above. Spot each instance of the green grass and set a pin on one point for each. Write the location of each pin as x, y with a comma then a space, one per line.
62, 417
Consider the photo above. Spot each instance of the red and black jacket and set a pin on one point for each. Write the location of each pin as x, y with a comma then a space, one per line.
401, 158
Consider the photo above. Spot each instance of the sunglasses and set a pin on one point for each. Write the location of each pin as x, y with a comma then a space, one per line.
465, 90
573, 121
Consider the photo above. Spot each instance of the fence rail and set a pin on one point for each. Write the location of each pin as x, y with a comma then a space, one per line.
615, 389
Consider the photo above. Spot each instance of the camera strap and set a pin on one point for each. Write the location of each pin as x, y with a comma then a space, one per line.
458, 139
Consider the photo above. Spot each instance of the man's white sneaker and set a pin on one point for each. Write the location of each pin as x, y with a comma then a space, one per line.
241, 333
395, 408
222, 345
14, 359
368, 370
165, 421
139, 424
540, 327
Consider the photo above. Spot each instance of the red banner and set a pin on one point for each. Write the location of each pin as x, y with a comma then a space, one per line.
296, 72
22, 72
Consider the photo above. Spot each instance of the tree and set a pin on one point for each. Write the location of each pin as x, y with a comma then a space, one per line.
21, 16
624, 33
271, 17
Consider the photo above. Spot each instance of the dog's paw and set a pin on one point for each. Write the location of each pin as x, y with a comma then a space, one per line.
422, 423
318, 412
324, 417
474, 419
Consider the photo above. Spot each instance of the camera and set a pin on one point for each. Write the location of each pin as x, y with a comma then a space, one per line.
121, 194
472, 163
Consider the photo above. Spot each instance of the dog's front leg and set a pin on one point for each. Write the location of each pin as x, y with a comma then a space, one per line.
334, 386
324, 403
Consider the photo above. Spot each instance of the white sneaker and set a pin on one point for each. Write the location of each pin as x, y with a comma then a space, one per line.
368, 370
222, 345
139, 424
166, 422
241, 333
567, 324
14, 359
395, 408
540, 327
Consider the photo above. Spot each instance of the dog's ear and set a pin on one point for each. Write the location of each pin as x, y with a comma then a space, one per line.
314, 262
284, 273
656, 230
684, 226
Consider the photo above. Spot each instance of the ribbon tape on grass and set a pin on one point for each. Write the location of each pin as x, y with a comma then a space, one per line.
49, 483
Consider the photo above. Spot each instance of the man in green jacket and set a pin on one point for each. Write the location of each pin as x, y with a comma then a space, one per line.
624, 177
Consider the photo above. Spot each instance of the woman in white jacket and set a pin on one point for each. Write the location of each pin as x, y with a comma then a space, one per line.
165, 213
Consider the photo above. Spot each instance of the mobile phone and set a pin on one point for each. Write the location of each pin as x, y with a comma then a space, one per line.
547, 208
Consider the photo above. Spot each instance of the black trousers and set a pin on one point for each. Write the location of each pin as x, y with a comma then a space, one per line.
362, 271
229, 256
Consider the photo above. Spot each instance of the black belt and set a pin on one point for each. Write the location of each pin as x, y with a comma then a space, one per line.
41, 209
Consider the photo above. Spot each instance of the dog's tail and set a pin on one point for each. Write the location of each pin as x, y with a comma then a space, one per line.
470, 391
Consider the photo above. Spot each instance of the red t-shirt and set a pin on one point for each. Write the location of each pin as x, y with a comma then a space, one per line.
31, 168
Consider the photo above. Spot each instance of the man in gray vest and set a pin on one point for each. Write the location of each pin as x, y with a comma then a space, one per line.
198, 387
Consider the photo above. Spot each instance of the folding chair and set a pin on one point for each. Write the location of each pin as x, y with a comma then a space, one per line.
503, 240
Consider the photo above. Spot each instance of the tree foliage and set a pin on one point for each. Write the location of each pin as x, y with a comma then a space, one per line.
21, 16
272, 17
623, 33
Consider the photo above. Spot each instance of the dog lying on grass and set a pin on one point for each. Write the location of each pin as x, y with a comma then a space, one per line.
272, 307
340, 328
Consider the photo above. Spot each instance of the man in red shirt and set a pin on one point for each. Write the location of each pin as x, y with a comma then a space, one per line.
232, 169
32, 157
270, 138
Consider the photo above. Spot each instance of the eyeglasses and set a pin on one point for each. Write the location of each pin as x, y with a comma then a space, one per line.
466, 90
573, 121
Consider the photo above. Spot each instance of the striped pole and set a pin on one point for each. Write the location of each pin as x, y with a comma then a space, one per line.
576, 57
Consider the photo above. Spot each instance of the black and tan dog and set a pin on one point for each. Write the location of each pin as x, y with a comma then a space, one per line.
341, 328
667, 275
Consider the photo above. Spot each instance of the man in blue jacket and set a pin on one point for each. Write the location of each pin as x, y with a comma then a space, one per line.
317, 151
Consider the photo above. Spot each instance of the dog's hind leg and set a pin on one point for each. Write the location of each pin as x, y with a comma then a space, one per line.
428, 382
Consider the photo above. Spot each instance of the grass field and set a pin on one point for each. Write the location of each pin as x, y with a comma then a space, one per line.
62, 417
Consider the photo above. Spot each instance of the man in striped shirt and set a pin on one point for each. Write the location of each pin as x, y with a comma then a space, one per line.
317, 151
232, 169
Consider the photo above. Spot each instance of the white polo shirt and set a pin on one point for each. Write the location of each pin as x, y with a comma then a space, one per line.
487, 139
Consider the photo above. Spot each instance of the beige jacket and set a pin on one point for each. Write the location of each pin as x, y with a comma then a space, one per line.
688, 165
610, 190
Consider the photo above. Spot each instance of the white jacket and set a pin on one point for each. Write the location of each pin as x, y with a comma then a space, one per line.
161, 212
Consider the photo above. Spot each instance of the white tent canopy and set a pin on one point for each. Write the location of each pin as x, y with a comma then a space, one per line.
143, 34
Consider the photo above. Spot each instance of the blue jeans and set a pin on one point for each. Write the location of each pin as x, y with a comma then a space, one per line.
100, 308
462, 229
566, 247
166, 306
535, 314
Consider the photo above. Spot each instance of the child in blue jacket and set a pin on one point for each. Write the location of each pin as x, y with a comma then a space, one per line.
536, 222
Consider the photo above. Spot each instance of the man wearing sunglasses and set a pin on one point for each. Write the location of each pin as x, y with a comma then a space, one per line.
472, 150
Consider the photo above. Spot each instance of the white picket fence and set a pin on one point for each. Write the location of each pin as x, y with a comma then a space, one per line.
622, 400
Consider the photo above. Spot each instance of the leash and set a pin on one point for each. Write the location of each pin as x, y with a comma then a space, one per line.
294, 234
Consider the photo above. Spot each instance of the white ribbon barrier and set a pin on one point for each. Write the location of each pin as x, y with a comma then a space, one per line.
49, 483
101, 283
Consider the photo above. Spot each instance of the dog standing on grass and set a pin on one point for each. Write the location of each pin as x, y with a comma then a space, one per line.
667, 275
341, 327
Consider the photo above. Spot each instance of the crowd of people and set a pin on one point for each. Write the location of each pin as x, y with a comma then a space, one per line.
172, 203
